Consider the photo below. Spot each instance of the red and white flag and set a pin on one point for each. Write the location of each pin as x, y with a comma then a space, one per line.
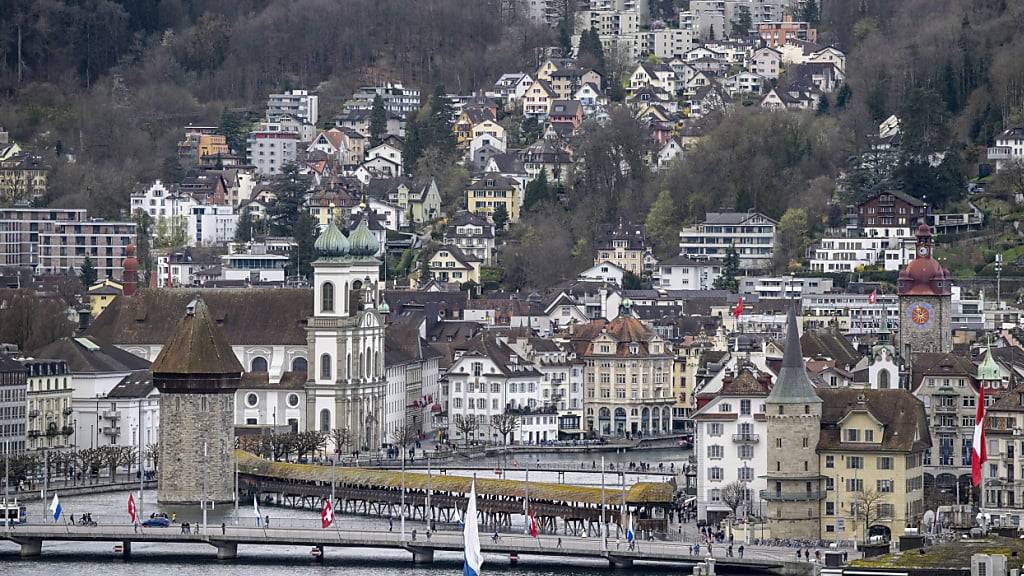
979, 453
873, 297
533, 525
738, 309
327, 514
131, 508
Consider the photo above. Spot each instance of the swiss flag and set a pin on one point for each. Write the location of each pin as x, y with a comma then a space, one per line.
979, 453
327, 514
738, 309
533, 525
873, 297
131, 508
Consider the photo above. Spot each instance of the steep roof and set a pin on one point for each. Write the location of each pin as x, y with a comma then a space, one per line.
197, 346
90, 355
793, 386
138, 384
247, 316
823, 343
902, 415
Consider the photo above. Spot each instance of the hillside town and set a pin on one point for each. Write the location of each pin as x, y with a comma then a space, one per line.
828, 378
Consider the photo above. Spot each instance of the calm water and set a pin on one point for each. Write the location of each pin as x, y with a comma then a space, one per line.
79, 559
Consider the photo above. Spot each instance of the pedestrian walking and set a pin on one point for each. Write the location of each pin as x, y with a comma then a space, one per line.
728, 551
741, 550
559, 545
267, 523
223, 528
846, 556
391, 525
414, 534
817, 555
798, 551
807, 555
135, 525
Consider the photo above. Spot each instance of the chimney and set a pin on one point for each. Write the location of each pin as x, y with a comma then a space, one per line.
84, 317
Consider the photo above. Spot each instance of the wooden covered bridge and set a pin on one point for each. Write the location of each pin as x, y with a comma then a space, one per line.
572, 510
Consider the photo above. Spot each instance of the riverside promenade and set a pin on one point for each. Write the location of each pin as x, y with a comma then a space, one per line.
226, 541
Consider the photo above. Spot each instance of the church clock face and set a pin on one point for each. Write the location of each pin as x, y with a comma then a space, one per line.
920, 314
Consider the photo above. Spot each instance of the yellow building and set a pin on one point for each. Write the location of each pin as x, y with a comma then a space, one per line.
491, 190
102, 293
450, 264
211, 145
23, 176
871, 453
684, 377
50, 414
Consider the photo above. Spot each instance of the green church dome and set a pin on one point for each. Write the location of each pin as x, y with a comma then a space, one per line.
332, 242
362, 241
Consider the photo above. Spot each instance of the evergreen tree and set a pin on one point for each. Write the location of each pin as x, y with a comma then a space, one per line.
87, 273
662, 225
565, 34
442, 134
305, 236
143, 231
413, 149
810, 12
631, 281
290, 188
742, 23
171, 171
711, 33
843, 96
378, 121
823, 105
500, 217
244, 228
730, 271
537, 190
615, 91
236, 130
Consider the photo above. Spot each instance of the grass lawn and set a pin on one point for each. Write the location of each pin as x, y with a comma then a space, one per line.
953, 555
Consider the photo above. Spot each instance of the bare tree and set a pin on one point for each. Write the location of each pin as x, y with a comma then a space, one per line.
867, 506
466, 424
340, 438
153, 453
1008, 183
505, 424
404, 434
734, 494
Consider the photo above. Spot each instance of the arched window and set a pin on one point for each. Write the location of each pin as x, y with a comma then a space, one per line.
355, 298
348, 365
327, 297
368, 358
300, 365
259, 364
325, 366
883, 379
325, 420
376, 363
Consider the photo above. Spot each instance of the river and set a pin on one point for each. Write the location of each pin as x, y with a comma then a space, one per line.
80, 559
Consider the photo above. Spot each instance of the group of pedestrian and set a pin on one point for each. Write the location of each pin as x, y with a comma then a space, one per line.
807, 555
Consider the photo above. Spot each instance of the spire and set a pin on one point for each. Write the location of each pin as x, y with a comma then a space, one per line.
793, 386
989, 370
197, 347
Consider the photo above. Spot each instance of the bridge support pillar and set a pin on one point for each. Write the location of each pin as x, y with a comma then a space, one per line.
226, 550
709, 566
620, 562
31, 547
126, 549
422, 555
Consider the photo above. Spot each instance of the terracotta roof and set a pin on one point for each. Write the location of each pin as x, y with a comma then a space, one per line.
746, 383
902, 415
941, 364
247, 316
198, 346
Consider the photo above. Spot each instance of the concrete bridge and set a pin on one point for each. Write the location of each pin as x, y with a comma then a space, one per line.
226, 541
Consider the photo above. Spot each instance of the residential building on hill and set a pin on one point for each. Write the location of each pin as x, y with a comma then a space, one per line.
624, 245
485, 194
451, 264
752, 234
1009, 148
297, 103
472, 234
21, 228
13, 378
65, 245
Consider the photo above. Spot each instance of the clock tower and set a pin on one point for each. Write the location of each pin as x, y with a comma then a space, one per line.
925, 293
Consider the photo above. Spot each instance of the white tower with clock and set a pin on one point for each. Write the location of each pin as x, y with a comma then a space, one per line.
925, 291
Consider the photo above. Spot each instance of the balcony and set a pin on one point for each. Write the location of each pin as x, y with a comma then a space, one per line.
745, 438
112, 431
110, 414
1000, 153
33, 413
946, 409
813, 495
68, 411
33, 433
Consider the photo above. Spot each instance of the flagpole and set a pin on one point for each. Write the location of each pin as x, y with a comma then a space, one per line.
236, 491
7, 484
401, 509
622, 476
142, 470
46, 475
205, 472
526, 500
429, 489
604, 520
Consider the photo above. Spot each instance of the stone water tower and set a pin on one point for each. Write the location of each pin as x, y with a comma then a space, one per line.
197, 374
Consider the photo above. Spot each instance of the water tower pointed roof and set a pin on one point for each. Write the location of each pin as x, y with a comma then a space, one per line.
197, 347
793, 386
989, 370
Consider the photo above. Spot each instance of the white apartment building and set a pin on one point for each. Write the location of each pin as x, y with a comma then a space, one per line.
66, 245
607, 22
685, 273
176, 268
847, 254
211, 224
766, 62
714, 18
254, 268
1009, 148
668, 43
298, 103
271, 147
397, 98
751, 233
787, 287
161, 201
851, 313
50, 415
488, 379
730, 437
